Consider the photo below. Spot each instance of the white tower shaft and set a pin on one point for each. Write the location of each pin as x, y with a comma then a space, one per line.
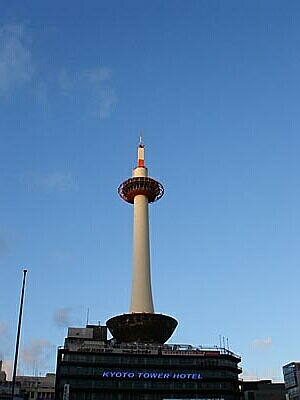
141, 295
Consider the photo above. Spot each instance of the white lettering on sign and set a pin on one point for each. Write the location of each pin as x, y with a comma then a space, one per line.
66, 392
152, 375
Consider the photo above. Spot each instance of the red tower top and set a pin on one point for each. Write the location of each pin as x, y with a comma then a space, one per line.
140, 183
141, 153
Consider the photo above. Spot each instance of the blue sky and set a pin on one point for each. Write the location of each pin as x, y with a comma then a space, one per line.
214, 85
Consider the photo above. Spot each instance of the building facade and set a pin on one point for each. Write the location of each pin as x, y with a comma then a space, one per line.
93, 369
37, 387
263, 390
291, 375
28, 387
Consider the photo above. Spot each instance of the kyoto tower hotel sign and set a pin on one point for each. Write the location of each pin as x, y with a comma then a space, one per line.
141, 324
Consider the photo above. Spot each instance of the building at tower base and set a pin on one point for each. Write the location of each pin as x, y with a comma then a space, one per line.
90, 367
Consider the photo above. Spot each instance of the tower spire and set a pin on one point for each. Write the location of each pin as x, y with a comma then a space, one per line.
141, 138
141, 152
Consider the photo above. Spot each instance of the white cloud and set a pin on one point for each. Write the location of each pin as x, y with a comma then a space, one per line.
58, 181
4, 245
18, 68
107, 99
8, 241
3, 329
260, 374
94, 84
54, 181
97, 75
5, 348
101, 92
262, 343
16, 61
63, 257
7, 366
35, 355
65, 81
62, 317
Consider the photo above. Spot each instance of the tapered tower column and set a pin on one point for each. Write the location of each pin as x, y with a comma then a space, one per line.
141, 294
142, 324
141, 190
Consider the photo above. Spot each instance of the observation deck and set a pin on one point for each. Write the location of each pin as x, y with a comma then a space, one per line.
142, 327
146, 186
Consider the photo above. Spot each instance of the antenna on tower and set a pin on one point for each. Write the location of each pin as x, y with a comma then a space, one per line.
141, 139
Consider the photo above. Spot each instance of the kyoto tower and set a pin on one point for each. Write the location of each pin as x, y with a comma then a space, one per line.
141, 324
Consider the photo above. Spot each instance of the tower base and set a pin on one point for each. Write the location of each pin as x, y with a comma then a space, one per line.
142, 327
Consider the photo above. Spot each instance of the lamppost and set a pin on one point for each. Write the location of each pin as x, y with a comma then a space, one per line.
18, 336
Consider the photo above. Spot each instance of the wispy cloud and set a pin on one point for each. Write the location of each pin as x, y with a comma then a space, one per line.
63, 317
58, 181
7, 366
35, 355
18, 68
16, 61
96, 84
3, 329
98, 81
53, 181
259, 374
105, 101
4, 246
65, 81
98, 75
5, 348
262, 343
63, 256
9, 238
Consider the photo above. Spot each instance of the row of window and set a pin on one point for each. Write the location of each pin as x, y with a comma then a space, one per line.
294, 393
143, 396
97, 371
150, 385
41, 395
290, 379
134, 360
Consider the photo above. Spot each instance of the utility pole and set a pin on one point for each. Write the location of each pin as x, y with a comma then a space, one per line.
18, 336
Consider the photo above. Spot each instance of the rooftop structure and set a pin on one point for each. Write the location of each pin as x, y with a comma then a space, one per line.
263, 390
99, 369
